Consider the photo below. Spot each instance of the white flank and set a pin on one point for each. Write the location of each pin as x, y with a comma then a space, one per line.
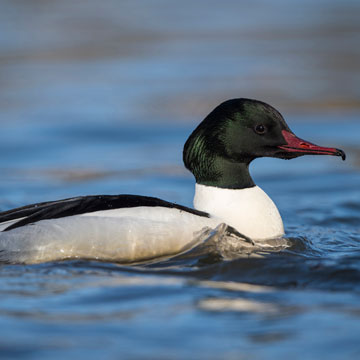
123, 235
250, 211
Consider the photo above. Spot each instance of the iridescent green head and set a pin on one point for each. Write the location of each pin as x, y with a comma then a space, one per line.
220, 149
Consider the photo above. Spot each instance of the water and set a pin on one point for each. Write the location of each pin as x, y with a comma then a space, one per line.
100, 99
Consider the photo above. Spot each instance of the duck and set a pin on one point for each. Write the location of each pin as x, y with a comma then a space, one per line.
134, 229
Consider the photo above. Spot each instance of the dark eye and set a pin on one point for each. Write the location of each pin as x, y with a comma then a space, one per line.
260, 129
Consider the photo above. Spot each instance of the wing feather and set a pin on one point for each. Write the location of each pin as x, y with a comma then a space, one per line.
79, 205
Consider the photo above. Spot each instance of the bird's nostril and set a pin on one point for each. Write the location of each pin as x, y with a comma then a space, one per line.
304, 145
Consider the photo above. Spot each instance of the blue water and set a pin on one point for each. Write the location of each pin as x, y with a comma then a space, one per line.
99, 99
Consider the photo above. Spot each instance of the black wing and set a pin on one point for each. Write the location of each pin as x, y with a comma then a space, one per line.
81, 205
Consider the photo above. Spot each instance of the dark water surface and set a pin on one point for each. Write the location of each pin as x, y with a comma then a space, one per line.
100, 99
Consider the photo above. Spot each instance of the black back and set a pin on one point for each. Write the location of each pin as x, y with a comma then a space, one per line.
84, 204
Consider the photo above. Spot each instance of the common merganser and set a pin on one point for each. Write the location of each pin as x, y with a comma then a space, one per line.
131, 228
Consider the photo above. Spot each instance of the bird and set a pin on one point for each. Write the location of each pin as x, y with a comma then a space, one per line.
133, 229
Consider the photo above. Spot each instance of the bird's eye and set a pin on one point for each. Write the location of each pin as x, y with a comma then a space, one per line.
260, 129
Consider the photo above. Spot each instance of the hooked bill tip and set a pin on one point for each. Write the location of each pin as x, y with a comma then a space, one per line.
341, 153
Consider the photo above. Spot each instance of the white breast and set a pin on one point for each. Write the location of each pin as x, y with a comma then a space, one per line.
250, 211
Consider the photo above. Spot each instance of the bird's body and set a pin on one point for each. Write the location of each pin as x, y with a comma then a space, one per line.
131, 228
124, 235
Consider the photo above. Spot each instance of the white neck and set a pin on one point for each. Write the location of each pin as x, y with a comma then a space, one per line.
250, 211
